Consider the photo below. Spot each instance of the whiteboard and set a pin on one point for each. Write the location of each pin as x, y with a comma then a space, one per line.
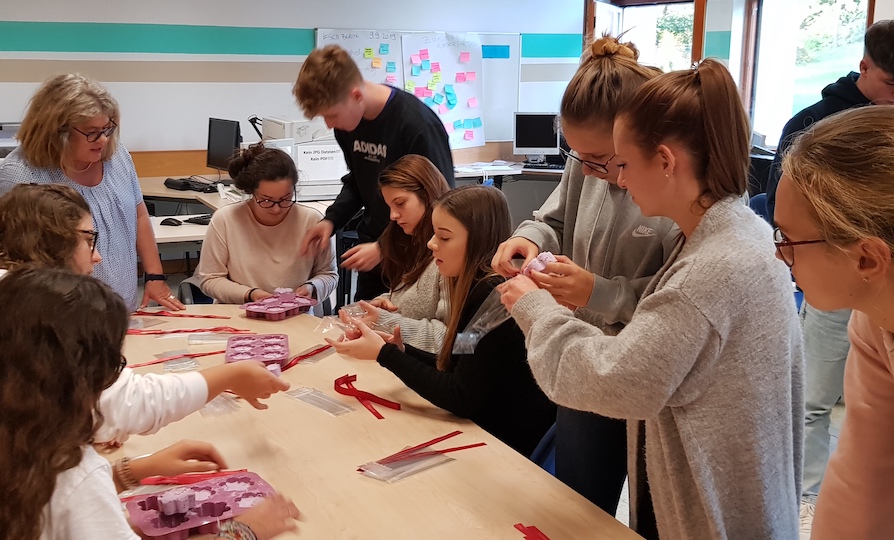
377, 53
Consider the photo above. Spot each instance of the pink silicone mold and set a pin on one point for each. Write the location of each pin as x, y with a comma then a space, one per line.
158, 516
279, 306
268, 348
539, 263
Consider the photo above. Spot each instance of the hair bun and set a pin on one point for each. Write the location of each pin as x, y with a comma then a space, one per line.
243, 159
610, 46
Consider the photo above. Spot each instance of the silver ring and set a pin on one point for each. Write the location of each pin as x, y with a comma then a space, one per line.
172, 297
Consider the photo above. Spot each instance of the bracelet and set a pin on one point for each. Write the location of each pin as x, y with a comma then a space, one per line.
154, 277
235, 530
248, 294
125, 474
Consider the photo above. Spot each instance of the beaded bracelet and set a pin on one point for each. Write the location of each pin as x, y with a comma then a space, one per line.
124, 474
235, 530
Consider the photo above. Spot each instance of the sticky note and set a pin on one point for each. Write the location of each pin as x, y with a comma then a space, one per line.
470, 135
368, 53
467, 123
429, 101
391, 67
476, 122
436, 67
460, 77
428, 93
432, 85
416, 71
410, 86
436, 77
426, 65
377, 62
451, 104
419, 91
423, 54
458, 124
470, 76
473, 102
415, 60
439, 98
448, 89
451, 98
442, 108
465, 57
449, 127
391, 79
384, 48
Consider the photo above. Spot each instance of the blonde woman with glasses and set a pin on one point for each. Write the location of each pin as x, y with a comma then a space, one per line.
69, 136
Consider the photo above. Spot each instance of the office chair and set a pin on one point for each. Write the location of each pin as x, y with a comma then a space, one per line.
758, 203
545, 453
189, 292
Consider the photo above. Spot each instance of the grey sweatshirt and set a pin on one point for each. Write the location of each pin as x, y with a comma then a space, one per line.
599, 227
712, 361
422, 312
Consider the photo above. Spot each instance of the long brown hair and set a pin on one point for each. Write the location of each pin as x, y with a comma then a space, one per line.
257, 163
608, 75
700, 109
38, 225
59, 349
405, 258
484, 213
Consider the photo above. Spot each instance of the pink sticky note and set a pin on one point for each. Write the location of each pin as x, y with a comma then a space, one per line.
435, 67
465, 57
423, 54
415, 60
442, 108
428, 93
419, 91
391, 79
473, 102
449, 127
470, 135
460, 77
470, 76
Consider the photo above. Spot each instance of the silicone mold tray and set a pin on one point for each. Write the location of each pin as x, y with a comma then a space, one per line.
268, 348
539, 263
205, 503
279, 306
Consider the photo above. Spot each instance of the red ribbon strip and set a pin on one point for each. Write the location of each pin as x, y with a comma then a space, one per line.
415, 451
294, 361
175, 357
531, 532
188, 478
164, 313
344, 385
215, 330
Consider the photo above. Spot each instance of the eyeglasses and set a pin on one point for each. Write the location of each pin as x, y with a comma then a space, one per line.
282, 203
601, 168
94, 236
94, 136
786, 249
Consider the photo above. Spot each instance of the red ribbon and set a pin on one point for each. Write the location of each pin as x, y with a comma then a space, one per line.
531, 532
164, 313
188, 478
344, 385
175, 357
215, 330
416, 451
294, 361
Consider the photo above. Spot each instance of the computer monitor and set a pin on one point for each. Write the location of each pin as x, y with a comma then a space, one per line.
535, 134
223, 140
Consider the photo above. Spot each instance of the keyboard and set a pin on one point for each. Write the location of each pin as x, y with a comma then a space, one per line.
547, 166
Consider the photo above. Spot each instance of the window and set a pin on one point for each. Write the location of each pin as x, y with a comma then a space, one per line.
661, 32
802, 47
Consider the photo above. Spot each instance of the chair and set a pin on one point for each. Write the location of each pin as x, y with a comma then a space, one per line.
189, 292
545, 453
758, 203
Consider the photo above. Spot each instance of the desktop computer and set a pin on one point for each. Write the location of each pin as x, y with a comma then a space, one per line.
537, 137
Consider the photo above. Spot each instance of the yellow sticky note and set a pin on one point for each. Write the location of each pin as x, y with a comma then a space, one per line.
377, 62
432, 85
368, 53
436, 78
410, 86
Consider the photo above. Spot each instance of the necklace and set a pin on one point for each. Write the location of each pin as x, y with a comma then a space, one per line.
84, 169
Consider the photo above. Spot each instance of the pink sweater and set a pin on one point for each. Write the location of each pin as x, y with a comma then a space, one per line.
857, 496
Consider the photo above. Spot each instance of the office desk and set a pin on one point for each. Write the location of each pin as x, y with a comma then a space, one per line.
215, 202
311, 456
153, 187
186, 232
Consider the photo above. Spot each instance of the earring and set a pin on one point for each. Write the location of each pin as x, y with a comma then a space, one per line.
866, 279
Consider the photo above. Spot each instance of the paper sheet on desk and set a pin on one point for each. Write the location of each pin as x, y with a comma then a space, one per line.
486, 168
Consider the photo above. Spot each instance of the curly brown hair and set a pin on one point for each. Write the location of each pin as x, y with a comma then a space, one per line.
61, 347
405, 258
326, 78
38, 225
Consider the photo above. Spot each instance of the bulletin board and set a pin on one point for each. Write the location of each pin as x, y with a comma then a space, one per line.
474, 110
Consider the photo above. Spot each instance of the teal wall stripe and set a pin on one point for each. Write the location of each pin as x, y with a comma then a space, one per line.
153, 38
551, 45
717, 44
495, 51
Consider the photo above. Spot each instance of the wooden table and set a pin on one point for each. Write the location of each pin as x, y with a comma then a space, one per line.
185, 232
312, 457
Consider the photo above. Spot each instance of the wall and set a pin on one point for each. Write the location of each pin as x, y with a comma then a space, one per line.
173, 64
884, 9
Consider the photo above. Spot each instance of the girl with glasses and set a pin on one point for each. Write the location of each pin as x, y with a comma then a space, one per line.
60, 350
610, 252
251, 247
712, 358
69, 136
835, 212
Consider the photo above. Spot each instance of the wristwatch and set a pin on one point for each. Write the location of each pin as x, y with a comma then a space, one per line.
154, 277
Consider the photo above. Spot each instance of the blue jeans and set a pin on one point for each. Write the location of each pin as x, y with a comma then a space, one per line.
825, 350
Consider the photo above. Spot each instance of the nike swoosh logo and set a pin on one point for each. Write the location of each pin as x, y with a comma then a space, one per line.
637, 234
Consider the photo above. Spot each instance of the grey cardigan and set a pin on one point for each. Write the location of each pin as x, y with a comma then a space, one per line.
712, 361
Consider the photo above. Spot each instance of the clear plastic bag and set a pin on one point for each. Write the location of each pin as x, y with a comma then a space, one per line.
490, 315
219, 406
318, 399
392, 472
